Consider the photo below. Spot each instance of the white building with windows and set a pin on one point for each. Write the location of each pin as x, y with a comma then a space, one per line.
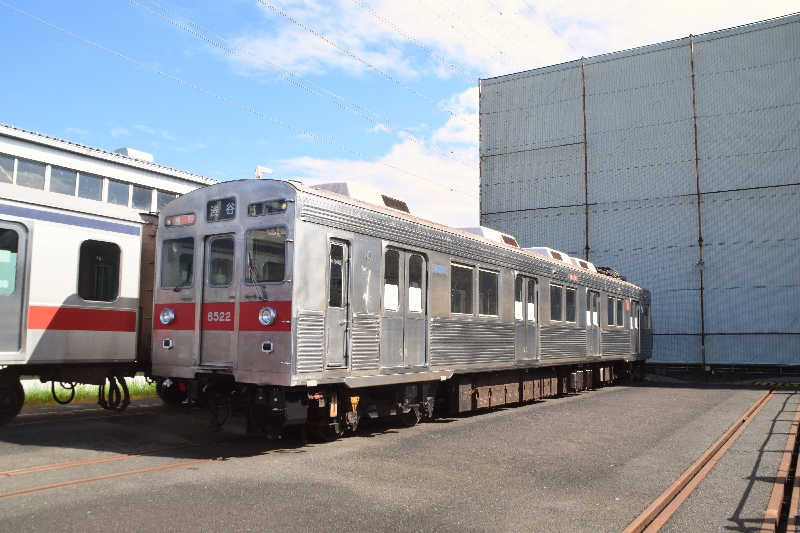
44, 171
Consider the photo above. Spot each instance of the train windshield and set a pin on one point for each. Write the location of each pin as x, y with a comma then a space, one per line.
177, 263
266, 255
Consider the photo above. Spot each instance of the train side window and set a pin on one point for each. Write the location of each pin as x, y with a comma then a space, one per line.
220, 264
9, 247
518, 298
391, 280
266, 255
6, 168
177, 263
30, 174
619, 312
415, 284
461, 289
98, 271
336, 281
487, 292
63, 180
611, 308
556, 311
531, 300
90, 186
572, 310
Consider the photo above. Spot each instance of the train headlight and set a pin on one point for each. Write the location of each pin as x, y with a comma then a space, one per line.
267, 316
166, 316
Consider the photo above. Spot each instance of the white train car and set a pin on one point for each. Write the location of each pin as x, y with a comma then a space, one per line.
75, 292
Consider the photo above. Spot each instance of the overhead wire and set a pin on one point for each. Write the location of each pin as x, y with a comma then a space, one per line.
349, 53
448, 64
231, 101
289, 77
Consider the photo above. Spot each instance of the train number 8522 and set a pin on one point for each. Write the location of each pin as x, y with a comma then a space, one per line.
218, 316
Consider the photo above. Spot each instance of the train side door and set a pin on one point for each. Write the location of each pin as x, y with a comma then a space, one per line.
526, 297
13, 243
634, 323
532, 316
415, 327
392, 345
337, 321
593, 321
218, 311
404, 327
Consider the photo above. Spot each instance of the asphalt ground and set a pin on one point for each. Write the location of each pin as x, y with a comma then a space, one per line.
587, 462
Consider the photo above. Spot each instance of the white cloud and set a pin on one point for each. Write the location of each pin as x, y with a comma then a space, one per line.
429, 178
450, 37
118, 131
77, 131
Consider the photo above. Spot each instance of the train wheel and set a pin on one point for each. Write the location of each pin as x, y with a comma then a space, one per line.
326, 433
410, 418
170, 392
12, 396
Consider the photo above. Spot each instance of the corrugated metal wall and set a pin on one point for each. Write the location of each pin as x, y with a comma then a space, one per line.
642, 185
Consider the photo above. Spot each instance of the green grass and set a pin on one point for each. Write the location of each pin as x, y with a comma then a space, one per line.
39, 393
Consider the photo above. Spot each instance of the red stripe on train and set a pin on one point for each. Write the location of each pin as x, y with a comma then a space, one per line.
80, 319
184, 316
248, 320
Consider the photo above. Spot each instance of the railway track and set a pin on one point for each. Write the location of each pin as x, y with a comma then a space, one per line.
781, 514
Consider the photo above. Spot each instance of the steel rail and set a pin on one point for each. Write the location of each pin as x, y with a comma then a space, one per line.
115, 475
665, 505
782, 494
86, 462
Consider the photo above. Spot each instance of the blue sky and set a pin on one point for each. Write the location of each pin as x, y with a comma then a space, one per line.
382, 93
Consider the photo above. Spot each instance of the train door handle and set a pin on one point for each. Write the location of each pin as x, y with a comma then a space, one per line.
343, 322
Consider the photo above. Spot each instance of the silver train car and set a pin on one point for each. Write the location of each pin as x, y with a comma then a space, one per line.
304, 307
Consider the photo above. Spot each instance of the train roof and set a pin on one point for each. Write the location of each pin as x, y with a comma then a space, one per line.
306, 189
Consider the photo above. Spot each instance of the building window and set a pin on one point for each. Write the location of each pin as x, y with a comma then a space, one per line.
572, 311
90, 186
336, 281
163, 198
9, 247
220, 262
177, 263
487, 292
30, 174
391, 280
266, 255
142, 198
6, 169
556, 311
98, 271
118, 192
460, 289
63, 180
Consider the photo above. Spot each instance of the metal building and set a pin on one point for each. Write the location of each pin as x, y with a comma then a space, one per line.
676, 163
36, 169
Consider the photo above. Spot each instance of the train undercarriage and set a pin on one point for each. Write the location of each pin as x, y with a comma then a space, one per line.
326, 413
